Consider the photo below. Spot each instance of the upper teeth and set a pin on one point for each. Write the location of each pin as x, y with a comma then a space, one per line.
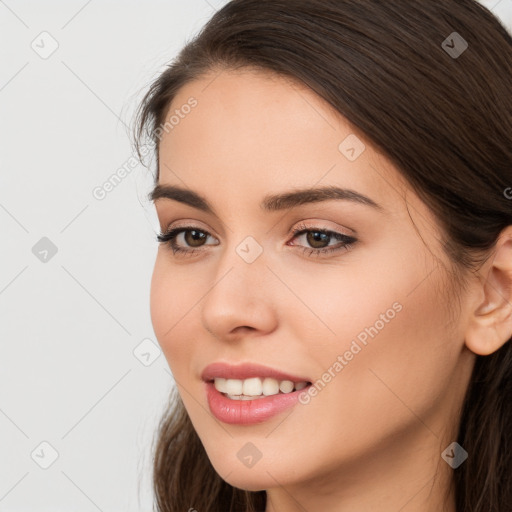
256, 386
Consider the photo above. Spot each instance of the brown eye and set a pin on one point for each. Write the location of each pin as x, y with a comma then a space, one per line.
317, 239
184, 240
195, 238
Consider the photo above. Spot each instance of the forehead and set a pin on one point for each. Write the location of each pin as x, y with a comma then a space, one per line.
261, 132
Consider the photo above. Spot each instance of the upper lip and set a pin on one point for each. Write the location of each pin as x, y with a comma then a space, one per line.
246, 371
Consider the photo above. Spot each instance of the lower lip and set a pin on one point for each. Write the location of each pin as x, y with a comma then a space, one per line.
248, 412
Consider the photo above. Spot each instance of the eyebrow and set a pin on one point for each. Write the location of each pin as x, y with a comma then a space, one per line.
270, 203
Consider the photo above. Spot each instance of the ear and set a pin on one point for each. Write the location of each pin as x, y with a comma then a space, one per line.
490, 323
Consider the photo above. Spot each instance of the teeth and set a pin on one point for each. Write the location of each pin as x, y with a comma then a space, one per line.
286, 386
270, 387
251, 387
220, 385
234, 387
248, 389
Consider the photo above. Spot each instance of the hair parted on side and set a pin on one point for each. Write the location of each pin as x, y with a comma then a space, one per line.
444, 122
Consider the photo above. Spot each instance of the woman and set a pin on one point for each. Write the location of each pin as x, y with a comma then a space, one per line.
333, 287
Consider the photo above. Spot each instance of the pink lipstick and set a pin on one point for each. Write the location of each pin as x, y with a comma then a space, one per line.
249, 410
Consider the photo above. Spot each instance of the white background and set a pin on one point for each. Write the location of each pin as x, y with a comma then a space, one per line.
69, 325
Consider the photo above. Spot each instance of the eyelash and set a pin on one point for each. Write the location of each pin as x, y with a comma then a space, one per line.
168, 238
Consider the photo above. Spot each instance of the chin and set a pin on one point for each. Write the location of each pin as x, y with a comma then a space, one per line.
263, 475
251, 482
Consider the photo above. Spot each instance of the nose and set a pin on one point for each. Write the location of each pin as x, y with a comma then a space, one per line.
241, 298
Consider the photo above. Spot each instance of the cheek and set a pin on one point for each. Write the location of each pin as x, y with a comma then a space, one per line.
397, 377
172, 302
388, 321
357, 298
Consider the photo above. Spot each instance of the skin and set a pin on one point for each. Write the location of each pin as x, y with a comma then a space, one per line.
373, 436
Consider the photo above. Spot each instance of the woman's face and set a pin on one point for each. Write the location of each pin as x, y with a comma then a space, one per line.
368, 321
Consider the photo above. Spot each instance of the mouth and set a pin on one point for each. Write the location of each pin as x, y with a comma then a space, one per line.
245, 410
250, 393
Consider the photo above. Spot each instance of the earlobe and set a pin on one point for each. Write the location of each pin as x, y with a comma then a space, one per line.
490, 324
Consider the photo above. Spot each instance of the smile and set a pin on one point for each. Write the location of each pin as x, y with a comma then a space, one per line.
248, 410
255, 387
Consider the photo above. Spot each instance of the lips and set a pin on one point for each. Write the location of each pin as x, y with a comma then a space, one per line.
249, 412
246, 371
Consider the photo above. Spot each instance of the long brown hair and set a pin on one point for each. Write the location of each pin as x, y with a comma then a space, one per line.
444, 119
